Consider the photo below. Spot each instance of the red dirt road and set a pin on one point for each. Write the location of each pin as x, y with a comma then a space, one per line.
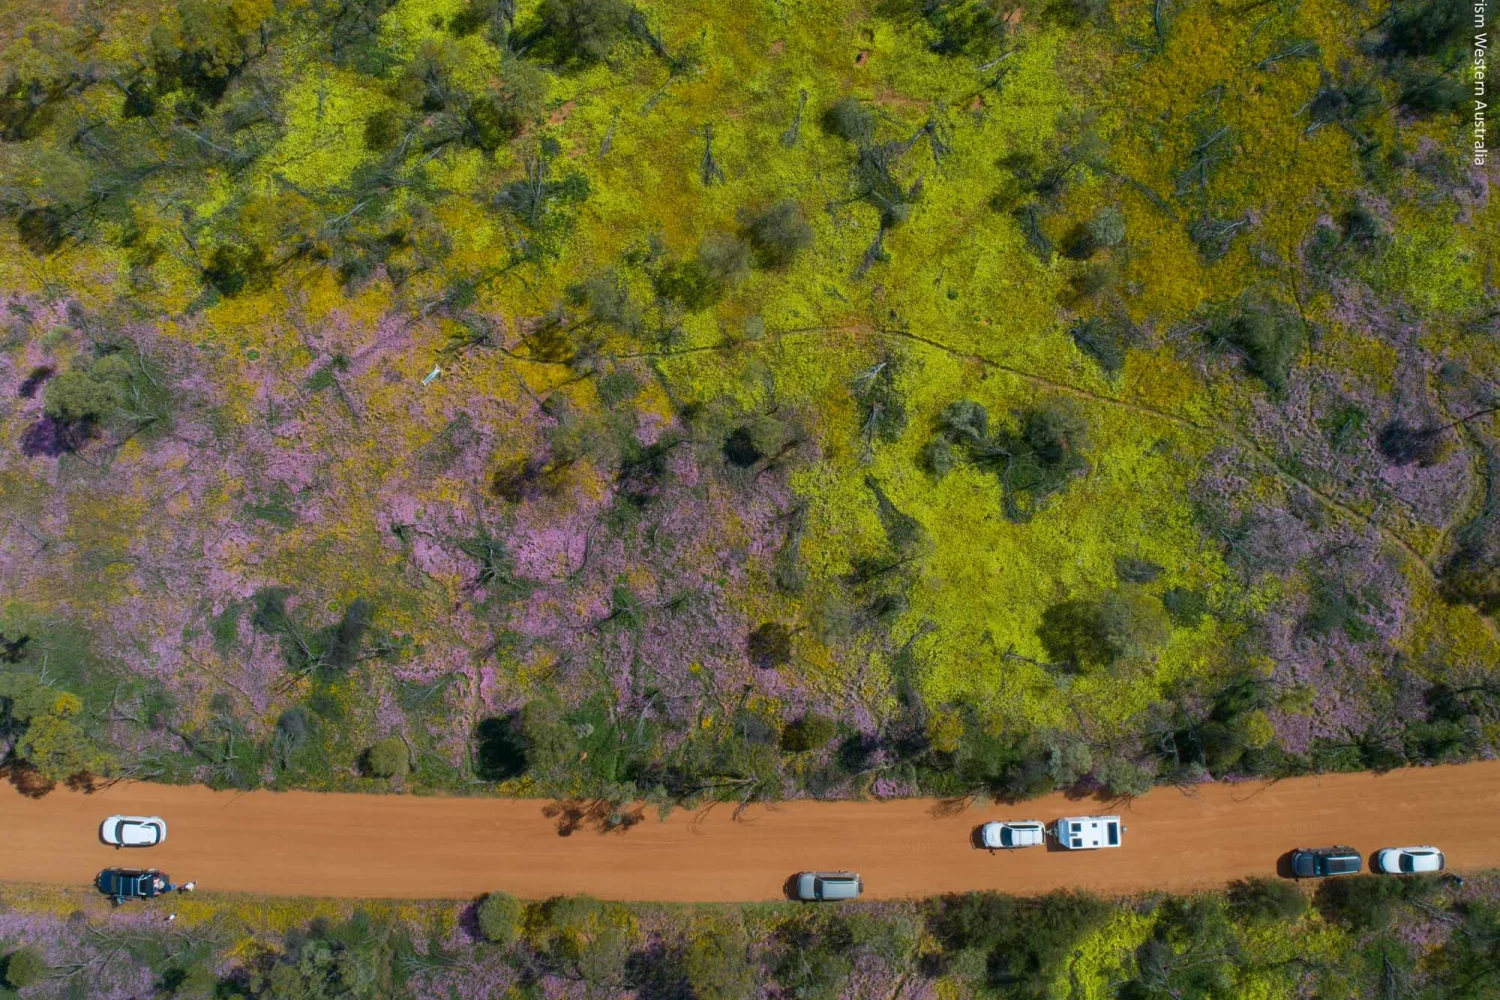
390, 846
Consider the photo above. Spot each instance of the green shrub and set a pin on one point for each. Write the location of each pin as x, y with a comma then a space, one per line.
1081, 12
501, 113
778, 234
94, 392
497, 15
499, 916
1266, 899
1345, 426
389, 758
1369, 902
582, 32
717, 961
973, 28
1125, 778
970, 920
1033, 461
1107, 227
25, 967
382, 130
1266, 337
1426, 29
938, 457
851, 119
1025, 941
1185, 607
1124, 624
587, 939
721, 261
770, 645
354, 31
1104, 230
813, 955
1054, 433
47, 727
348, 636
234, 268
548, 740
1188, 954
213, 41
294, 728
1432, 92
965, 422
607, 301
427, 83
811, 732
724, 257
1472, 574
1348, 103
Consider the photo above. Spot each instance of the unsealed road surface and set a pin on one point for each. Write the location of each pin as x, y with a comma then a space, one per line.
411, 847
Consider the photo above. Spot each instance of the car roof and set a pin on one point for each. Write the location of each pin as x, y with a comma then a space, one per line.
839, 885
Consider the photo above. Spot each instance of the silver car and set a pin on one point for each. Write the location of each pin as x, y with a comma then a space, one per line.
133, 831
825, 887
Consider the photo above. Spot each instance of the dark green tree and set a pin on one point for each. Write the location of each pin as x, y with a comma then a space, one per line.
778, 234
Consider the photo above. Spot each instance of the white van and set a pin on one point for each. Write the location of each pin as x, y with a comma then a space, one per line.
1085, 833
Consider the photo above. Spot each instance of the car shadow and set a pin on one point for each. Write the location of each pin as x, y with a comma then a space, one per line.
789, 887
976, 839
1284, 866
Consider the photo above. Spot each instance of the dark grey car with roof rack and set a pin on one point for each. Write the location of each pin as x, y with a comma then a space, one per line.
1321, 862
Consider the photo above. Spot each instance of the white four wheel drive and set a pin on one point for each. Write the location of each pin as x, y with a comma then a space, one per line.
1086, 833
133, 831
1410, 860
1009, 835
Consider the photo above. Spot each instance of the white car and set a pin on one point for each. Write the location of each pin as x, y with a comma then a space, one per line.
998, 836
133, 831
1406, 860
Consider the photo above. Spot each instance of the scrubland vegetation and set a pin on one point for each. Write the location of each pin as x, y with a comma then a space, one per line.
1361, 937
688, 401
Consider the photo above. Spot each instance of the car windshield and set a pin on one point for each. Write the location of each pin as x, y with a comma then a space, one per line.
837, 888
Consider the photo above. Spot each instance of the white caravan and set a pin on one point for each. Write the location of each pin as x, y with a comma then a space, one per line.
1085, 833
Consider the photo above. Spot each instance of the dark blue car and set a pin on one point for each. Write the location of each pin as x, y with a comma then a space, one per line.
120, 884
1321, 862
